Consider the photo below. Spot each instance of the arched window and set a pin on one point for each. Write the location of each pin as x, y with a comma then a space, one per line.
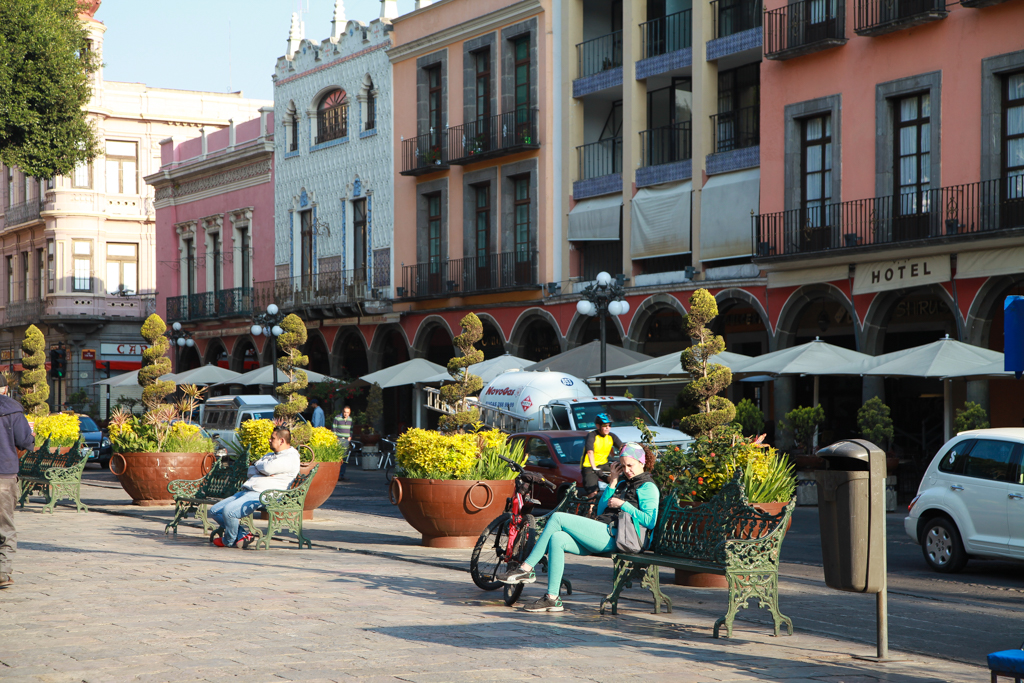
332, 117
371, 104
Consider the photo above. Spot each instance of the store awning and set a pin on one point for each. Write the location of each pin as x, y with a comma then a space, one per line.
660, 223
595, 219
727, 201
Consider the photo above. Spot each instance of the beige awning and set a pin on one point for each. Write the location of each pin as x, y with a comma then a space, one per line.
661, 220
726, 228
599, 218
1009, 261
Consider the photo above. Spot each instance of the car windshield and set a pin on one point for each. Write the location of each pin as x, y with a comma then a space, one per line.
622, 413
86, 424
569, 449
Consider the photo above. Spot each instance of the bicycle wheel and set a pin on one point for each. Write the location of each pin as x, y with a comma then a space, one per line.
389, 467
524, 544
489, 554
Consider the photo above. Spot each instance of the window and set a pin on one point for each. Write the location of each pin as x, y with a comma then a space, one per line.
246, 247
912, 162
739, 108
359, 239
332, 117
483, 224
122, 167
82, 254
434, 233
51, 267
816, 171
306, 249
24, 276
990, 459
10, 187
371, 107
82, 175
537, 451
122, 268
521, 212
10, 279
215, 248
190, 266
1013, 136
40, 272
521, 50
28, 187
482, 64
669, 111
435, 107
293, 141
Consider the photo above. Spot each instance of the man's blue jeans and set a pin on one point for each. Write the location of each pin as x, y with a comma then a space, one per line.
229, 511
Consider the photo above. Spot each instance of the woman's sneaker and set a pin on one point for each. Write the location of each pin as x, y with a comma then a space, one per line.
545, 604
516, 575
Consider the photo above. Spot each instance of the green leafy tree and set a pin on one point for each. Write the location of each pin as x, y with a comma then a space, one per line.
292, 402
155, 364
45, 85
749, 418
708, 379
802, 422
466, 383
973, 416
874, 422
34, 389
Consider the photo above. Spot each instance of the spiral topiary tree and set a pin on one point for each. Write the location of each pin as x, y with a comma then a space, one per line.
465, 383
707, 379
33, 387
155, 364
292, 402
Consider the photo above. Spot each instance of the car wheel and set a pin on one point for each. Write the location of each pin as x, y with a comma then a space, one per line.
105, 463
943, 550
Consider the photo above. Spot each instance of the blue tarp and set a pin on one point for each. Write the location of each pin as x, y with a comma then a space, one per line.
1013, 335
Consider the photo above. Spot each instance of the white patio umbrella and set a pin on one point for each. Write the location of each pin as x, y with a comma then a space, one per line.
207, 374
124, 379
488, 369
414, 371
665, 369
265, 376
992, 370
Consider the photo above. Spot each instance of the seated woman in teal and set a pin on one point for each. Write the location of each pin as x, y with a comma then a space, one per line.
636, 494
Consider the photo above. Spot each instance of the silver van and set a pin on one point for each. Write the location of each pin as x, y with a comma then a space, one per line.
222, 415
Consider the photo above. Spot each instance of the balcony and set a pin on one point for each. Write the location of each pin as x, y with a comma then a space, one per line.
599, 159
22, 213
506, 271
24, 312
991, 208
224, 303
878, 17
804, 27
665, 154
735, 16
338, 293
427, 153
737, 129
666, 34
600, 54
494, 136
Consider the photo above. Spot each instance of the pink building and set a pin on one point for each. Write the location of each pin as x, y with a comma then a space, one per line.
214, 235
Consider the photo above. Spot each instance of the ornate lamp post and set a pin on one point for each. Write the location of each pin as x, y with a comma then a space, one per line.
179, 338
605, 297
269, 325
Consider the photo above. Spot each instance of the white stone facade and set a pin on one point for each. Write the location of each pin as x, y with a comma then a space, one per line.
327, 178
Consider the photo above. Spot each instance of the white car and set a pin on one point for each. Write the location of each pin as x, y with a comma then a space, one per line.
971, 500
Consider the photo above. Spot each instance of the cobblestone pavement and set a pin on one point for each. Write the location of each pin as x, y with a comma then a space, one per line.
107, 597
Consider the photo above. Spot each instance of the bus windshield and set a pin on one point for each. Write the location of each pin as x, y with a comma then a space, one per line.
622, 413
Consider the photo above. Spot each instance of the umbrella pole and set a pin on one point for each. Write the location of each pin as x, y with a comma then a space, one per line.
946, 400
814, 444
604, 354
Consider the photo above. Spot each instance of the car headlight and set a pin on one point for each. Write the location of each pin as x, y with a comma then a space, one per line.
104, 442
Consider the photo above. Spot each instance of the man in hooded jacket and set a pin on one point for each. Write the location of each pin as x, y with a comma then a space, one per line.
14, 434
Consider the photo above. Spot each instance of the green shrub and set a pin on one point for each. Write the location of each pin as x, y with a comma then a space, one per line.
749, 418
155, 363
292, 402
801, 424
33, 389
874, 422
466, 384
707, 379
973, 416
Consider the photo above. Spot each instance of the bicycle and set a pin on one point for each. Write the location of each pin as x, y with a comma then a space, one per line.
510, 537
387, 458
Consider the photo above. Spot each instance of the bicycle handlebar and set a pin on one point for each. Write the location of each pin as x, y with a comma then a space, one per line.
535, 477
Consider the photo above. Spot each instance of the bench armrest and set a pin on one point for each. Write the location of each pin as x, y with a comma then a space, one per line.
280, 499
184, 488
752, 553
64, 474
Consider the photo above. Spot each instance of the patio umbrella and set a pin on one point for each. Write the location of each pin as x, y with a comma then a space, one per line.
124, 379
664, 370
208, 374
414, 371
992, 370
488, 369
265, 376
582, 360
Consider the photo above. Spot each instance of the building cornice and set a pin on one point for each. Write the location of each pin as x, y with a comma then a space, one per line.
215, 162
467, 29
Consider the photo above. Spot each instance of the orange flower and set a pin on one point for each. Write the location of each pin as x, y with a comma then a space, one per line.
693, 493
671, 477
700, 480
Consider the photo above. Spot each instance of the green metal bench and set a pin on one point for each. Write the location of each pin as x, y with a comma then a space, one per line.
284, 510
197, 496
725, 536
54, 475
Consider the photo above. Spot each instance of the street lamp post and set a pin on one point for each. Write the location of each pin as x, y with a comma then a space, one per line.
603, 298
269, 325
180, 338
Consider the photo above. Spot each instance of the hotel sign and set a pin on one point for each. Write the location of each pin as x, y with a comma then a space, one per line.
882, 276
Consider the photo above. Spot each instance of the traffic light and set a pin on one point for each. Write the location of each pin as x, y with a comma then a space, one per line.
106, 368
57, 363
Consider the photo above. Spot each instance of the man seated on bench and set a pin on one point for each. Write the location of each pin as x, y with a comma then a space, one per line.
275, 470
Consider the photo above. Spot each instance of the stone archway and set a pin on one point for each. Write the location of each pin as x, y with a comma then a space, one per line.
801, 318
493, 342
389, 347
535, 336
316, 350
216, 354
584, 329
188, 359
244, 357
350, 358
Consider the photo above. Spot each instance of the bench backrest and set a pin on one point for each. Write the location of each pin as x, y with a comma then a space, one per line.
575, 504
54, 458
295, 496
225, 478
699, 531
28, 464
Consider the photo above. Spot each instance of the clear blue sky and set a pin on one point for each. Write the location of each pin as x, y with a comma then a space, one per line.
185, 44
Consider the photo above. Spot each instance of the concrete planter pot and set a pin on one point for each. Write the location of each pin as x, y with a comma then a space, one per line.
145, 476
450, 514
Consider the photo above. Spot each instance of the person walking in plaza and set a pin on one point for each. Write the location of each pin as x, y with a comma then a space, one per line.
342, 427
318, 414
15, 434
600, 445
274, 471
630, 489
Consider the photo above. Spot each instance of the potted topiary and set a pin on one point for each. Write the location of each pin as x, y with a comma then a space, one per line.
802, 422
371, 419
875, 425
33, 389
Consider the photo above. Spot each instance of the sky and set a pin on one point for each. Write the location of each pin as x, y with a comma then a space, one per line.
216, 45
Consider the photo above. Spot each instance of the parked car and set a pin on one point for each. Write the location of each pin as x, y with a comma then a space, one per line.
96, 439
556, 455
971, 500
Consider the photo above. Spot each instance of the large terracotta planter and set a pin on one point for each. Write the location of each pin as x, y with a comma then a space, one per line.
322, 486
450, 514
144, 476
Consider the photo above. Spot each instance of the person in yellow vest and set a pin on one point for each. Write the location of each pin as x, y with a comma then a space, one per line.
601, 444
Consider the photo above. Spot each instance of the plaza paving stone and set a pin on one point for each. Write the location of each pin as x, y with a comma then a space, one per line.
106, 596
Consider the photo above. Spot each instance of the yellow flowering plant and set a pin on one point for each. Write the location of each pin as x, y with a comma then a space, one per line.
425, 454
254, 435
62, 429
325, 445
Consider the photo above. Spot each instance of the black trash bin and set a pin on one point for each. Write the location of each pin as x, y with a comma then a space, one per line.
851, 515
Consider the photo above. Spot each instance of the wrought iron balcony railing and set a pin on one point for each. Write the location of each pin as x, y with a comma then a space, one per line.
22, 213
493, 136
599, 54
600, 158
224, 303
804, 27
338, 288
878, 17
736, 129
666, 144
471, 275
425, 153
960, 212
667, 34
24, 312
734, 16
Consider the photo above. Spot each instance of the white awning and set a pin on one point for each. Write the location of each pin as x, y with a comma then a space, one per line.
596, 219
726, 204
1009, 261
661, 220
